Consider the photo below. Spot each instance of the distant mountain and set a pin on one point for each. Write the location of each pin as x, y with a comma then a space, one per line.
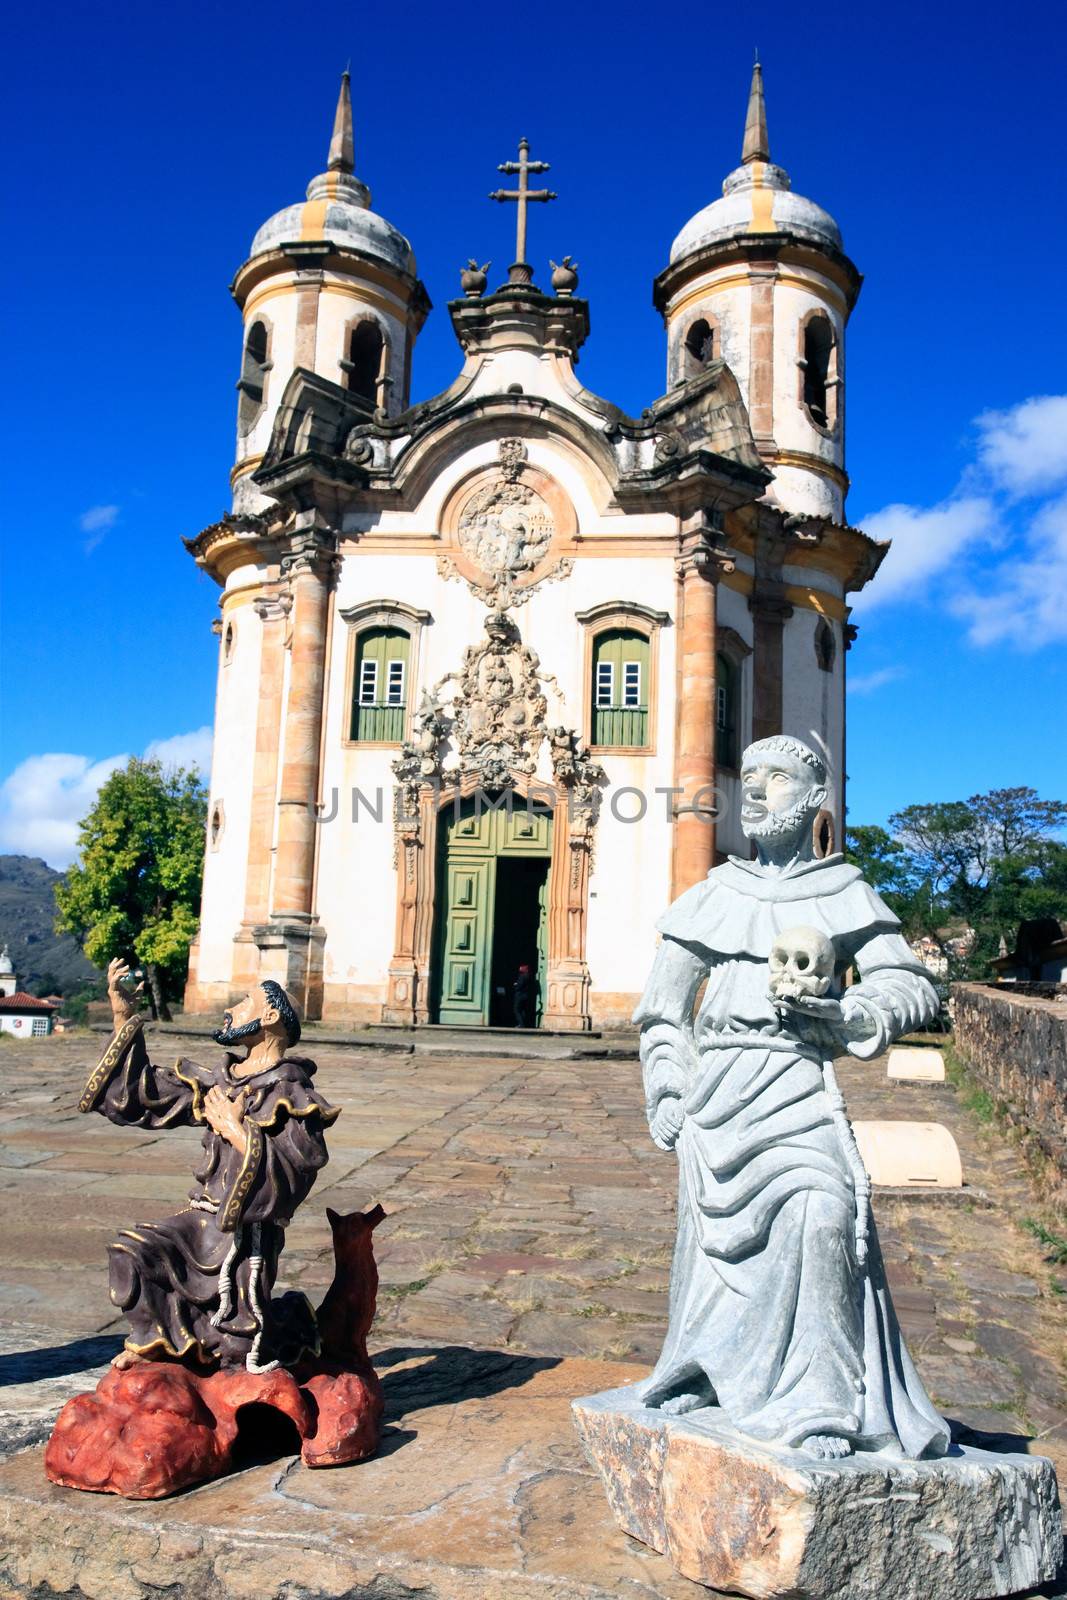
27, 918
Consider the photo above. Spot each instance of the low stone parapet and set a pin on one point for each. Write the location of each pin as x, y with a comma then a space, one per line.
1015, 1045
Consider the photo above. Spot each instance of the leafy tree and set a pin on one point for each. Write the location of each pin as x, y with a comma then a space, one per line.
989, 862
135, 889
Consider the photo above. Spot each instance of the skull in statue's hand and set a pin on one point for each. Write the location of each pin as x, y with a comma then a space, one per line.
801, 964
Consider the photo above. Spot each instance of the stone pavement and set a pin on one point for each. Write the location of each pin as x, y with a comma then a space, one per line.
528, 1213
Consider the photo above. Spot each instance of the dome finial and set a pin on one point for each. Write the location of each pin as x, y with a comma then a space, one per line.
756, 146
342, 149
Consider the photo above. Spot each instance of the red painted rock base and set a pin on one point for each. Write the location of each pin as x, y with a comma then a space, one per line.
158, 1427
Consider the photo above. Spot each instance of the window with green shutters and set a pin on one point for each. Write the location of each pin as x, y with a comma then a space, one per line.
620, 689
380, 687
727, 687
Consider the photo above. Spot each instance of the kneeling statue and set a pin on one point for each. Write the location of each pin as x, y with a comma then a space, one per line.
208, 1344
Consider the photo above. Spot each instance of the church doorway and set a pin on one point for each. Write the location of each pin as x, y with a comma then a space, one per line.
492, 920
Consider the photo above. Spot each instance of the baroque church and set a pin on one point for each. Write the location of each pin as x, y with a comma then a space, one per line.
488, 660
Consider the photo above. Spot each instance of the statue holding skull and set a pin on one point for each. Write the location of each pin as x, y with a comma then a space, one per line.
779, 1314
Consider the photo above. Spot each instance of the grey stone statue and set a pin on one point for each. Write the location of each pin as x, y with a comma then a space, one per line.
779, 1311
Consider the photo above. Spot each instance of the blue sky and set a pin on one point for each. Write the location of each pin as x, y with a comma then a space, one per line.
147, 143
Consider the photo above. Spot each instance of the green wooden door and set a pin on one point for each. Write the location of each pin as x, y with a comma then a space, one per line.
467, 881
467, 943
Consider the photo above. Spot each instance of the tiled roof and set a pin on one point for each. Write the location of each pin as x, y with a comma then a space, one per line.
23, 1002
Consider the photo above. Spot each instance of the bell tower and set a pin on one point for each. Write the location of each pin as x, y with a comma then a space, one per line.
330, 287
759, 279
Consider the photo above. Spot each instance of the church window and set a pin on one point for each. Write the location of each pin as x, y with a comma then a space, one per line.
825, 645
228, 643
380, 699
363, 362
700, 347
215, 827
620, 689
253, 381
727, 686
818, 370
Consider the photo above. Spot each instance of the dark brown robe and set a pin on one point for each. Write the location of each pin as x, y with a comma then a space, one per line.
197, 1285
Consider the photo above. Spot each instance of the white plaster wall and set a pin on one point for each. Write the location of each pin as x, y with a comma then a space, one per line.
21, 1027
812, 702
356, 878
233, 755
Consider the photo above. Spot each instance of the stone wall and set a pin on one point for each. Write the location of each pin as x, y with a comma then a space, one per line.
1016, 1047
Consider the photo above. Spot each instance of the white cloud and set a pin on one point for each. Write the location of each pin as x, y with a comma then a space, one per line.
96, 522
1023, 603
868, 682
1024, 450
43, 801
925, 541
45, 798
1011, 585
184, 750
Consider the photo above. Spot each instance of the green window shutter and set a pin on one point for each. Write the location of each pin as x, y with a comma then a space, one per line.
620, 689
726, 711
380, 688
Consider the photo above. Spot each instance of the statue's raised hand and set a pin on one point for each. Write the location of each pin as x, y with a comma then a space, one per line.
123, 1001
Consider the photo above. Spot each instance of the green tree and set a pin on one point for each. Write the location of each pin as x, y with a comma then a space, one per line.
135, 888
989, 862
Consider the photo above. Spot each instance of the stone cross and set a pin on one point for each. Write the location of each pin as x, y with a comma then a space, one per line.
519, 271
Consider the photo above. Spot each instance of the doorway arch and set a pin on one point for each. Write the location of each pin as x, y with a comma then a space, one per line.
494, 861
421, 818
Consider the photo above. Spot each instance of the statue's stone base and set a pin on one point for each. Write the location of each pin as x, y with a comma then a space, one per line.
756, 1520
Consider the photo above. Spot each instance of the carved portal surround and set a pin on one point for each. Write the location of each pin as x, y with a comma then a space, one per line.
485, 727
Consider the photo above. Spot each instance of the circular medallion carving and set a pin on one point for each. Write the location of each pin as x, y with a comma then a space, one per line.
505, 529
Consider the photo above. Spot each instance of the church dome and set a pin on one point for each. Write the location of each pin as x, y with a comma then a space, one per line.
743, 209
337, 208
757, 197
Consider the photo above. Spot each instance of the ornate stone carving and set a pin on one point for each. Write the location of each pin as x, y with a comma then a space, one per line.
499, 708
506, 527
505, 596
575, 770
358, 448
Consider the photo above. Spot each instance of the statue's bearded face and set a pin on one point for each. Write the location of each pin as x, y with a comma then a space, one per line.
243, 1022
780, 797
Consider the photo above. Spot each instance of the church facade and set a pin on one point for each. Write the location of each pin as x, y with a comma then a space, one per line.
487, 661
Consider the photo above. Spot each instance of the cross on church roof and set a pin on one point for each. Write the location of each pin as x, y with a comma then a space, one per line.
519, 271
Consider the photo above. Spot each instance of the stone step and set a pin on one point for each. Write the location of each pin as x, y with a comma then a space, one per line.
434, 1039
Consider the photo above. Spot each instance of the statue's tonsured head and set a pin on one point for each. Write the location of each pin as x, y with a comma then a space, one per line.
783, 787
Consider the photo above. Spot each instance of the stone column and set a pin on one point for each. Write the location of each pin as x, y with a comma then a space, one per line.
273, 612
762, 275
699, 567
770, 612
294, 942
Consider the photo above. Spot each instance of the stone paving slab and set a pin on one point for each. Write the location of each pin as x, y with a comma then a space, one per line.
481, 1492
528, 1210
